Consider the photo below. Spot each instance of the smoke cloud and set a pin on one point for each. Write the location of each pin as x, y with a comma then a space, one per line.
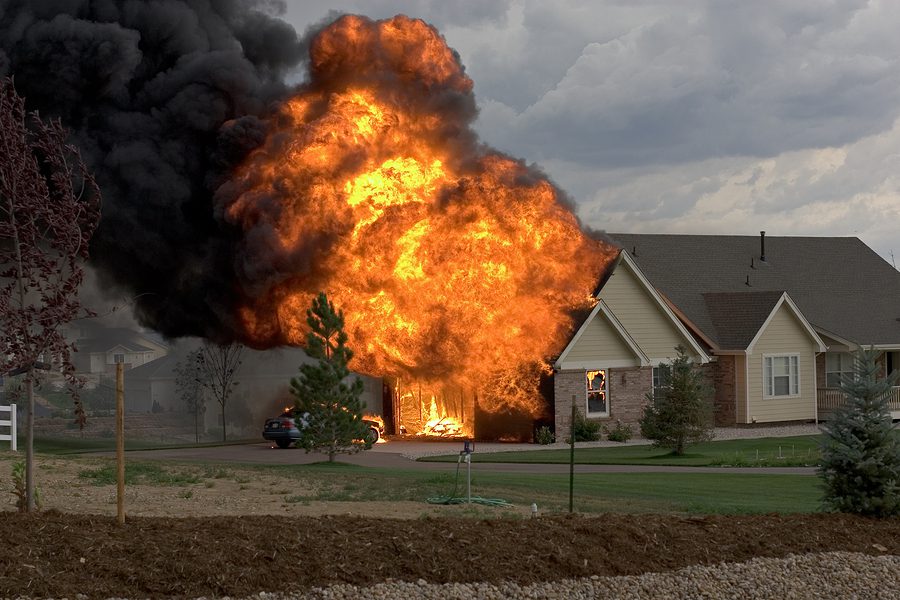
164, 98
215, 175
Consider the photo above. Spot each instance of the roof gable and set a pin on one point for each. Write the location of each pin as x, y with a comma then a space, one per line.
785, 302
602, 308
659, 304
104, 339
603, 317
839, 284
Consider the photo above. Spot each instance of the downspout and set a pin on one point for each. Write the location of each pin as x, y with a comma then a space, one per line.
815, 387
747, 418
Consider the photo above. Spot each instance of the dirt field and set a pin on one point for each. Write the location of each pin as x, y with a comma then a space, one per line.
237, 541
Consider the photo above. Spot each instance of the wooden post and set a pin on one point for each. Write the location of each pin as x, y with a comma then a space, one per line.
572, 458
120, 443
29, 441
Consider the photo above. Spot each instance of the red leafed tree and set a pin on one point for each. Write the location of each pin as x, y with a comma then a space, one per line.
49, 208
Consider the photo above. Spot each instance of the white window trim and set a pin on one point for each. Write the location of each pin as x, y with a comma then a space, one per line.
587, 409
765, 386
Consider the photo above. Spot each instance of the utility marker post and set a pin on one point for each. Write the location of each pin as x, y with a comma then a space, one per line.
120, 443
572, 459
468, 449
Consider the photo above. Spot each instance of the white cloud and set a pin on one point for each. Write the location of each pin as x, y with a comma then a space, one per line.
852, 190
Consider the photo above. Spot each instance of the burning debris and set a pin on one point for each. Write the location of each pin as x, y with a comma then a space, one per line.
458, 268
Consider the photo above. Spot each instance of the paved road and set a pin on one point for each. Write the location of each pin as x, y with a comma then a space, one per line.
398, 455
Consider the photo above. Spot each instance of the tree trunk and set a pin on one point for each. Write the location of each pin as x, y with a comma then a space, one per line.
223, 422
196, 425
29, 442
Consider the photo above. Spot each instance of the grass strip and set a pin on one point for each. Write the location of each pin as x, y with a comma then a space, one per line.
761, 452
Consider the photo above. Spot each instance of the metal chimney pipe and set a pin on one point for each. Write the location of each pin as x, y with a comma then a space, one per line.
762, 246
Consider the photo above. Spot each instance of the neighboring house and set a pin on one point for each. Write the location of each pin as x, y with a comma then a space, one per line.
152, 382
774, 320
99, 349
262, 390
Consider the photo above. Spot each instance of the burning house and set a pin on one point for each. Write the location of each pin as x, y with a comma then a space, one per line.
458, 268
231, 198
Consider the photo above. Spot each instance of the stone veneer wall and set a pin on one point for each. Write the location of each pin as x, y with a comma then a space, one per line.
627, 389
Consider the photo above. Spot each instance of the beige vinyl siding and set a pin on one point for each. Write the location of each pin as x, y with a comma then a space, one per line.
641, 315
784, 336
740, 388
600, 343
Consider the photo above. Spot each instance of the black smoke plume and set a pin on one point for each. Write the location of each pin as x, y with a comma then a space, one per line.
163, 98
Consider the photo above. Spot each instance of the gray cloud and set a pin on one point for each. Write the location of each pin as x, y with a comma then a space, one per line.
727, 79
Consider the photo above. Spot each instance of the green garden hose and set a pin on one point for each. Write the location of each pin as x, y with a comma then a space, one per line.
454, 499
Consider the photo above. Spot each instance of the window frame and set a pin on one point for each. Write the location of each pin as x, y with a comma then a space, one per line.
657, 381
849, 374
604, 390
768, 375
116, 357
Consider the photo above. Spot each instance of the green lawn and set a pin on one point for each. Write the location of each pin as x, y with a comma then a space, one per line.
607, 492
765, 452
671, 492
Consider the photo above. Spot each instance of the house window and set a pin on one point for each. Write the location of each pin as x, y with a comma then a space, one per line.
119, 358
662, 376
781, 375
597, 396
838, 368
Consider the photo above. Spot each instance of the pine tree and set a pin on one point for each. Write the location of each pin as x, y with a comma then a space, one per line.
860, 450
679, 412
331, 407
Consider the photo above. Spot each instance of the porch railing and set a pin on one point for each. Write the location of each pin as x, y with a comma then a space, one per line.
829, 399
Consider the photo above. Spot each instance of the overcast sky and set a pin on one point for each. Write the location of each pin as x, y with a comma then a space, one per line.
688, 117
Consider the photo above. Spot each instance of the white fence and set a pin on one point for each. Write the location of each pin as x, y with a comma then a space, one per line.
11, 423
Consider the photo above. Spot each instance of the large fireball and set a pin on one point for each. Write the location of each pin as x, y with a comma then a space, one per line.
452, 262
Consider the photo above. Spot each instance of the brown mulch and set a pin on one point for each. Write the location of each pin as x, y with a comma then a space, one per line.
59, 555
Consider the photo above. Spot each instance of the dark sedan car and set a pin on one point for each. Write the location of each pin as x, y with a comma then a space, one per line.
282, 429
286, 428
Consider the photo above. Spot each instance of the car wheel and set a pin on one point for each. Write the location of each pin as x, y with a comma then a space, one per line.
373, 435
283, 443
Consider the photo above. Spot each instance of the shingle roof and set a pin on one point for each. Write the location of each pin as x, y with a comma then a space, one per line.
737, 316
160, 368
105, 339
839, 284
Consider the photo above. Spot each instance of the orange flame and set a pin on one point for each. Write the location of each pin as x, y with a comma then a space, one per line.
452, 263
